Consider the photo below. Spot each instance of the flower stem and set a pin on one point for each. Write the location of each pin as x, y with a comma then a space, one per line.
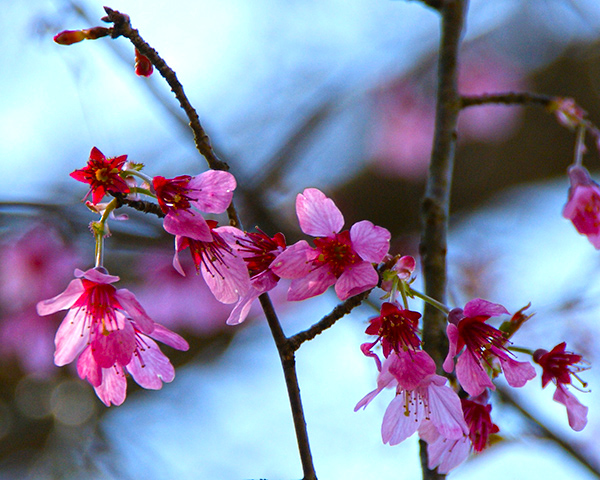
580, 145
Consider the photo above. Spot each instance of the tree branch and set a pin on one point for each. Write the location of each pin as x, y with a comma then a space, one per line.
435, 208
509, 98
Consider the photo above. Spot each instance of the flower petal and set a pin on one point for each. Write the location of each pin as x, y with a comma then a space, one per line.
576, 412
166, 336
313, 284
113, 388
453, 334
471, 374
63, 300
357, 279
402, 418
371, 242
516, 373
150, 367
295, 261
317, 214
71, 338
215, 191
135, 310
479, 307
187, 224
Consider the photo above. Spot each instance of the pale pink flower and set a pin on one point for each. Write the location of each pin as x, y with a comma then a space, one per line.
111, 331
559, 366
481, 342
422, 397
445, 454
258, 251
583, 206
148, 366
344, 258
209, 192
223, 270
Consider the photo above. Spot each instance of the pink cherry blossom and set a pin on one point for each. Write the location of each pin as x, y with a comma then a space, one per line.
445, 454
422, 398
209, 192
559, 366
583, 206
258, 251
344, 258
481, 342
224, 271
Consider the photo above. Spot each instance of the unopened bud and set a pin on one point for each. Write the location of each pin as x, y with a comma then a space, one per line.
69, 37
96, 32
143, 66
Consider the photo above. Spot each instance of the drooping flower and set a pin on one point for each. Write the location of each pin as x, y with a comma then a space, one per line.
482, 343
583, 206
258, 251
396, 329
344, 258
224, 271
477, 415
103, 175
109, 328
559, 366
148, 366
422, 398
209, 192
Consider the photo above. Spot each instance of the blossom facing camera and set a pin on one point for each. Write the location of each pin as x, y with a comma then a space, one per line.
103, 175
110, 331
341, 258
583, 205
558, 367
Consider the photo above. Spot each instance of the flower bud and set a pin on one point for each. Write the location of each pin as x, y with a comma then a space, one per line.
143, 66
69, 37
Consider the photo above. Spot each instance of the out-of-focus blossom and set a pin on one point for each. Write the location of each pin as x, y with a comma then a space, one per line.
422, 398
482, 343
568, 112
111, 330
583, 205
143, 66
559, 366
258, 251
483, 74
209, 192
344, 258
103, 175
223, 270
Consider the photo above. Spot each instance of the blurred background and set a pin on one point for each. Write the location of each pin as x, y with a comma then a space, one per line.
299, 93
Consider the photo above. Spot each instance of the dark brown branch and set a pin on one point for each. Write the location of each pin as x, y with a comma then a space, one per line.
435, 208
288, 362
507, 398
139, 205
509, 98
327, 321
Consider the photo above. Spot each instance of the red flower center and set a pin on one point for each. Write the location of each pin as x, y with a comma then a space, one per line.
336, 252
173, 193
262, 250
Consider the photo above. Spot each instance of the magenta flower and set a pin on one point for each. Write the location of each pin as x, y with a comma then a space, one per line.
583, 206
559, 366
482, 343
209, 192
344, 258
103, 175
109, 328
396, 329
224, 271
422, 398
258, 251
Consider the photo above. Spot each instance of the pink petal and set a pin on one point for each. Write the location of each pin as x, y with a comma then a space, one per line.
135, 310
187, 224
401, 419
178, 248
216, 191
313, 284
241, 310
318, 215
453, 334
480, 307
95, 275
63, 300
295, 261
516, 373
71, 338
471, 375
150, 367
371, 242
357, 279
576, 412
87, 368
410, 368
448, 454
166, 336
446, 411
113, 388
116, 347
227, 282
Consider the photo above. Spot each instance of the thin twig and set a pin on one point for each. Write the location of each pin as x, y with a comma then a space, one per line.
509, 399
508, 98
436, 202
